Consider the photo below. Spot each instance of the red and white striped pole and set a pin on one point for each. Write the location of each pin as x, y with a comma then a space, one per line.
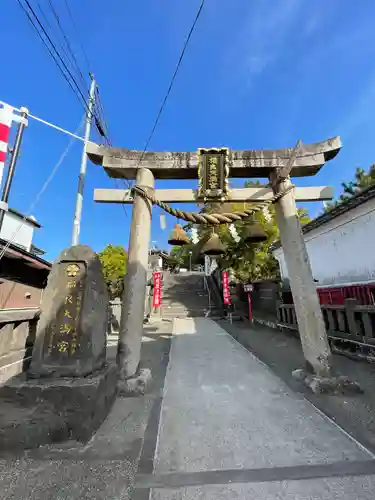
6, 117
22, 119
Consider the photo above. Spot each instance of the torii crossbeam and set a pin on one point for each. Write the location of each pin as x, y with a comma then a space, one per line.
124, 163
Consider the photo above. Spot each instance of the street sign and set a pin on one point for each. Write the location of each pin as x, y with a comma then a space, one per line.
248, 288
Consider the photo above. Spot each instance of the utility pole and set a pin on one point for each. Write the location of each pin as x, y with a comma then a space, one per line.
82, 173
12, 165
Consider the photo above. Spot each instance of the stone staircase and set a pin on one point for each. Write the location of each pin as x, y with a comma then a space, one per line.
184, 296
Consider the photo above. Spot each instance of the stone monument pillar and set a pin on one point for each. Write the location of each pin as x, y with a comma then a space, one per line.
71, 334
69, 387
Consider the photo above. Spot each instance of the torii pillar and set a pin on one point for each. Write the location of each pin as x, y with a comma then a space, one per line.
310, 321
125, 163
134, 379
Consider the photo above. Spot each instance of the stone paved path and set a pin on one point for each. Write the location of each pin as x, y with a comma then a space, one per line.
231, 429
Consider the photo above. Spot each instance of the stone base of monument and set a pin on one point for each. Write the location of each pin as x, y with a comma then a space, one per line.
136, 385
327, 385
34, 412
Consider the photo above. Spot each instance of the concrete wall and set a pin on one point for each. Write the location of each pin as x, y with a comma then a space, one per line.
18, 295
17, 335
24, 236
341, 251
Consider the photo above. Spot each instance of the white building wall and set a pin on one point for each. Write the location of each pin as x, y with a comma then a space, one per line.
342, 251
24, 234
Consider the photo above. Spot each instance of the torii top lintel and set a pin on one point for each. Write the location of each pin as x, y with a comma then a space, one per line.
123, 163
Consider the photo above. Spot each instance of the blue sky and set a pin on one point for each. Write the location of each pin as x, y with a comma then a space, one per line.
257, 74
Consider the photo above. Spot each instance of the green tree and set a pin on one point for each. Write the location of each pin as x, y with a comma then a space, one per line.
248, 261
114, 260
180, 256
362, 180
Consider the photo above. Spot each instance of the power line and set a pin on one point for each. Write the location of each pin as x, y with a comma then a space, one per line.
75, 62
173, 78
77, 34
99, 127
102, 131
61, 45
55, 50
49, 50
99, 117
80, 96
164, 102
98, 100
48, 23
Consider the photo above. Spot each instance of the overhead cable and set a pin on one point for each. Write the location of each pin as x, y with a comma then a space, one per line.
173, 78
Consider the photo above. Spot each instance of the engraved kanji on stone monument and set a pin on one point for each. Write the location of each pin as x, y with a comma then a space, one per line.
71, 335
62, 339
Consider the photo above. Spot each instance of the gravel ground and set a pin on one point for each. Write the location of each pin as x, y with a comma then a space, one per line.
105, 467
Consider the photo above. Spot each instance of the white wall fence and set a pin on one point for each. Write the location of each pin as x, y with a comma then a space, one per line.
341, 251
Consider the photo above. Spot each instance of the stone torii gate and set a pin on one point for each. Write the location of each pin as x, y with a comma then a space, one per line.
276, 165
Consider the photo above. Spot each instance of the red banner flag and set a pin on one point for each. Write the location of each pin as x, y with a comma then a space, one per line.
226, 291
157, 290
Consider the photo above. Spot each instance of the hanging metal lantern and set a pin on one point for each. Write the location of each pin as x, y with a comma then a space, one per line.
213, 246
178, 236
254, 233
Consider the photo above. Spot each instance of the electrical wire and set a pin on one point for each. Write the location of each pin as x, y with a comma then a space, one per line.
50, 51
68, 56
77, 35
48, 23
79, 95
42, 190
68, 46
103, 131
100, 108
56, 51
164, 102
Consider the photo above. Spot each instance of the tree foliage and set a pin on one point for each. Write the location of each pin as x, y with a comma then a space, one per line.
180, 256
361, 181
114, 260
248, 261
